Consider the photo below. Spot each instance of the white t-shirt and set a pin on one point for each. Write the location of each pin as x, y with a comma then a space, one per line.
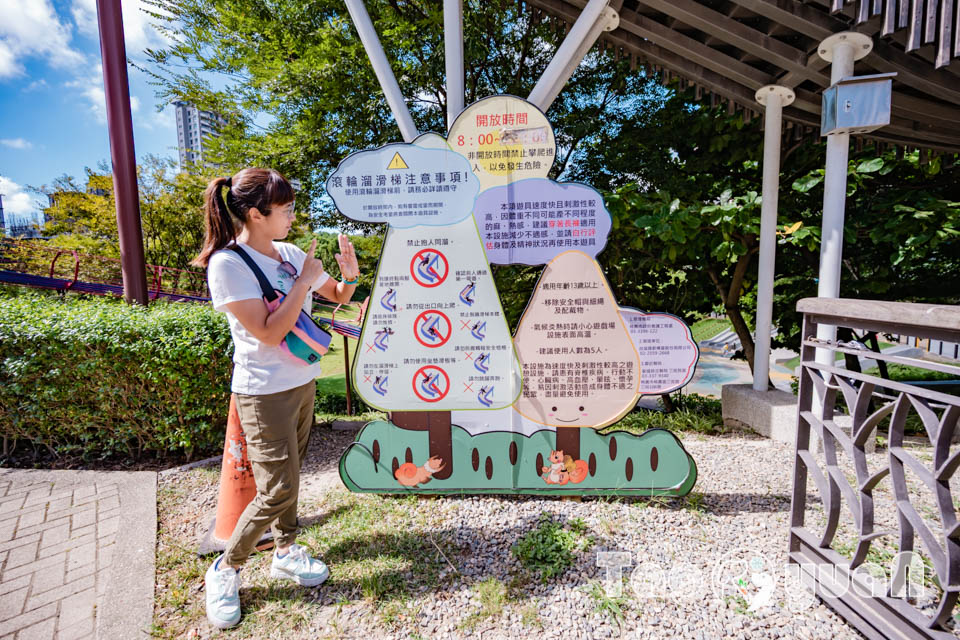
259, 369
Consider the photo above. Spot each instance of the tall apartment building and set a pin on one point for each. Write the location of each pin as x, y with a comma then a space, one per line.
194, 128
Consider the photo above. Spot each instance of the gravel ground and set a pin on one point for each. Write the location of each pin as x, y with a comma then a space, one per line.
738, 510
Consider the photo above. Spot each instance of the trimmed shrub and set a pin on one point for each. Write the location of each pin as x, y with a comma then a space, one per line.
98, 377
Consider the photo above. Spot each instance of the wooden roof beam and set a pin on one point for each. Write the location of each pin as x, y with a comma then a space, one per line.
693, 50
718, 83
815, 23
902, 131
693, 72
906, 106
814, 63
806, 109
802, 18
914, 73
740, 35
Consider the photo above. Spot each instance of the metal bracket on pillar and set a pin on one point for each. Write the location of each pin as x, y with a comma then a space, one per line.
862, 45
774, 98
784, 94
595, 18
388, 82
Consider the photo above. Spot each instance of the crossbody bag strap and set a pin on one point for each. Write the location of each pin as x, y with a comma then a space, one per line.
268, 291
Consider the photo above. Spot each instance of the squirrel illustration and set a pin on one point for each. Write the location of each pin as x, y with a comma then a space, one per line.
564, 469
410, 475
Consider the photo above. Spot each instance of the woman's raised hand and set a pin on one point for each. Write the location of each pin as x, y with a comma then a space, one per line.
312, 267
347, 259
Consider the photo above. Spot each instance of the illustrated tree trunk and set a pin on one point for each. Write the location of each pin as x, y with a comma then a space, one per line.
437, 423
568, 441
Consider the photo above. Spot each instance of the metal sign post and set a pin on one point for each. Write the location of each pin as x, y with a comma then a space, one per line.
381, 66
122, 155
583, 34
453, 50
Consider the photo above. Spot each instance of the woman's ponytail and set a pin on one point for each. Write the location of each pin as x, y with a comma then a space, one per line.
225, 215
221, 229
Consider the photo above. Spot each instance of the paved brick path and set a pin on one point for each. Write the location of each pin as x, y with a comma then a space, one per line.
59, 539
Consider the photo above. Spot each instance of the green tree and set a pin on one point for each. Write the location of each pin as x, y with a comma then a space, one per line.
683, 177
300, 95
84, 216
688, 227
368, 254
901, 234
697, 213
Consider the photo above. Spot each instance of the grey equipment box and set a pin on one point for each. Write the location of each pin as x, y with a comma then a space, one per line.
858, 104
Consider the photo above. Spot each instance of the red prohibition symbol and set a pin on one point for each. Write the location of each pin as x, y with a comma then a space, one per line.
432, 328
431, 383
429, 268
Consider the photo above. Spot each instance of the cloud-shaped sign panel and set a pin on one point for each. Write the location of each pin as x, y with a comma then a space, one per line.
667, 350
404, 185
532, 221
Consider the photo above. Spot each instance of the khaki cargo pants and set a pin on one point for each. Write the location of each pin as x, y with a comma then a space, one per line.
277, 428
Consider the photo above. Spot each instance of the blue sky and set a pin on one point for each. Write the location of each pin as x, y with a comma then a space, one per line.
52, 117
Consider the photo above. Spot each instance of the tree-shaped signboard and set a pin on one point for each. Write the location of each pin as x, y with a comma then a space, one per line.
439, 343
435, 338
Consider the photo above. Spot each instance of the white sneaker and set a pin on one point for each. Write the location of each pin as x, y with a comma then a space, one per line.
297, 566
222, 586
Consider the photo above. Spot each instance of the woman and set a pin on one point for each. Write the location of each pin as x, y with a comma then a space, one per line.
275, 393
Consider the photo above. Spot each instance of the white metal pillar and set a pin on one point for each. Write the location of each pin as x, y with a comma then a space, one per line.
774, 98
453, 56
565, 60
388, 82
841, 49
608, 21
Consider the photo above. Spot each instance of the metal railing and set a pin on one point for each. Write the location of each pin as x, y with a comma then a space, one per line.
839, 412
32, 264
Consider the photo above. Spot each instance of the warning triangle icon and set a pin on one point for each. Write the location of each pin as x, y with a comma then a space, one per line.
397, 163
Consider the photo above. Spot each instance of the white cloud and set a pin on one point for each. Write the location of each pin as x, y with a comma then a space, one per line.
158, 120
32, 29
91, 88
16, 143
35, 85
138, 30
16, 201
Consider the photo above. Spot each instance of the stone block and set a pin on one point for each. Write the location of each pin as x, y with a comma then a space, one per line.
40, 631
772, 414
27, 619
11, 604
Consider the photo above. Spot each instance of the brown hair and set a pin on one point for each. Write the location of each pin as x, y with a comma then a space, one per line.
248, 188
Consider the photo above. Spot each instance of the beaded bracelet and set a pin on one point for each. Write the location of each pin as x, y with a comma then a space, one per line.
355, 280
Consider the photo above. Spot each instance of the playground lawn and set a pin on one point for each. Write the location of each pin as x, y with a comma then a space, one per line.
332, 380
709, 327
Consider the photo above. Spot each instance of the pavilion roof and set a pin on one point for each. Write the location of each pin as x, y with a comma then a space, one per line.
730, 48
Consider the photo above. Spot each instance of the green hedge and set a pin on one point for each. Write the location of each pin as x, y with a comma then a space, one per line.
98, 377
